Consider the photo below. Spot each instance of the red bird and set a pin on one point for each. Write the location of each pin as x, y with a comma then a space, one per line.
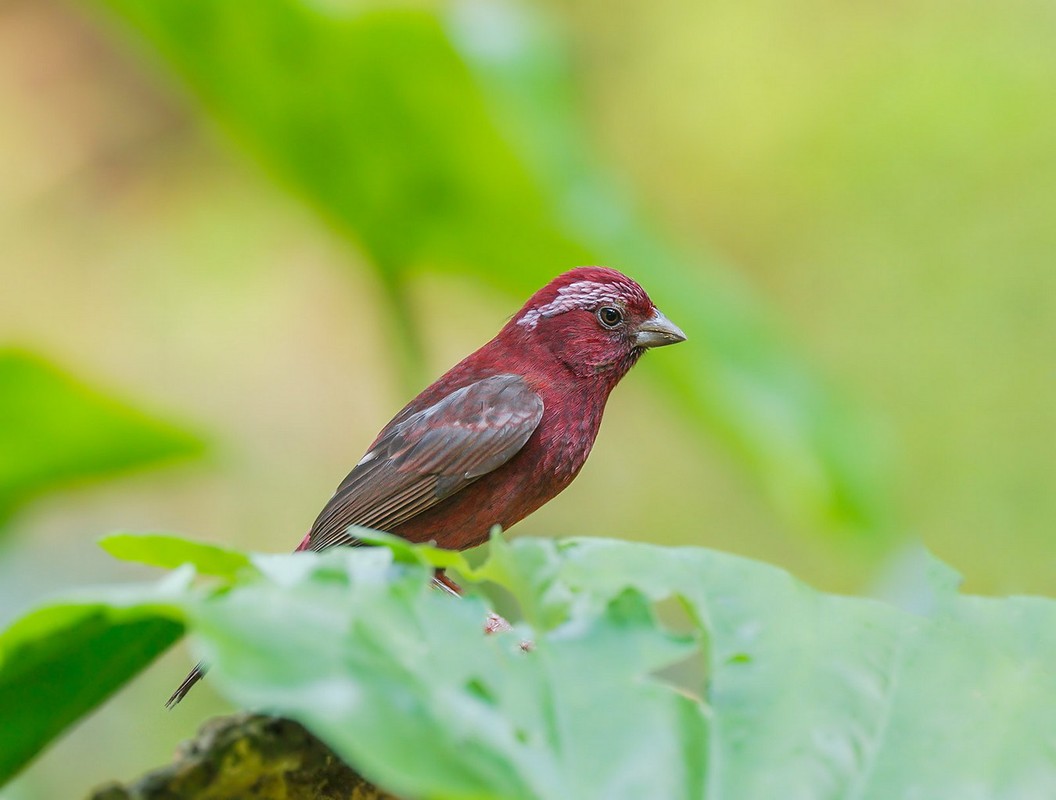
503, 431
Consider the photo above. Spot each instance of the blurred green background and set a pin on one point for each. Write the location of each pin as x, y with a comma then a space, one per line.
238, 236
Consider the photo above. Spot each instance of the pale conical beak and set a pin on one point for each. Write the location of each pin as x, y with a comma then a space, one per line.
657, 331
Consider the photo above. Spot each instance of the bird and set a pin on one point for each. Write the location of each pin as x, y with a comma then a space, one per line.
503, 431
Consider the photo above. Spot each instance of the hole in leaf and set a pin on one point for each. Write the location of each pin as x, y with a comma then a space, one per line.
480, 690
690, 674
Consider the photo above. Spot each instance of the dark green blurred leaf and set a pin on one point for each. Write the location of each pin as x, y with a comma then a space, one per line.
449, 140
61, 661
55, 431
161, 550
372, 114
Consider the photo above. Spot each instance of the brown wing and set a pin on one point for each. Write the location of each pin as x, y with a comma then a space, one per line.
430, 456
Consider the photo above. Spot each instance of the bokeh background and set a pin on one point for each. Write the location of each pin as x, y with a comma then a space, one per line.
236, 237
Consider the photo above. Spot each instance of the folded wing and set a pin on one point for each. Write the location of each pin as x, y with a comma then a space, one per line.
430, 456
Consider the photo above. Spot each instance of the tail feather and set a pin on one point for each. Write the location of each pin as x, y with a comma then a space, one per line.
192, 678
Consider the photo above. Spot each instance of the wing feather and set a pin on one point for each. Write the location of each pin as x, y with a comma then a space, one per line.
430, 455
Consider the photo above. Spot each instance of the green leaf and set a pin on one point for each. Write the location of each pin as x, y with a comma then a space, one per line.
61, 661
816, 695
808, 695
449, 140
55, 431
371, 658
161, 550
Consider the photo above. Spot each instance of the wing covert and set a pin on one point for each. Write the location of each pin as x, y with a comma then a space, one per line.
431, 455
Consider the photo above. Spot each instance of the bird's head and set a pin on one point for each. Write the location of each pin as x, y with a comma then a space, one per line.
594, 320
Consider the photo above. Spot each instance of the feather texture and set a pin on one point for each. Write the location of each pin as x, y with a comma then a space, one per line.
430, 456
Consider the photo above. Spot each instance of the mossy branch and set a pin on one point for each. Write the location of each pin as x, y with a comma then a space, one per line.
249, 756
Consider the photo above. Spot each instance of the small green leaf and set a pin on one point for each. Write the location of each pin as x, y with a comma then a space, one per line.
161, 550
404, 550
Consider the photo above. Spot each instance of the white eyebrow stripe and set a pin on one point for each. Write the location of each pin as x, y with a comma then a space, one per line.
581, 294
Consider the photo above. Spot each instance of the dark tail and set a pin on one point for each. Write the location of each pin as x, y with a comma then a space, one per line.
192, 678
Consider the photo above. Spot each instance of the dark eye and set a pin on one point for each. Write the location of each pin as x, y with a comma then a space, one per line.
609, 316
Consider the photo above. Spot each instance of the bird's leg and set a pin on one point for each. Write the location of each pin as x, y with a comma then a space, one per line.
494, 622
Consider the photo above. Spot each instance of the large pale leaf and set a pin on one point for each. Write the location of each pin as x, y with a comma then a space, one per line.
808, 695
55, 431
817, 695
382, 666
447, 139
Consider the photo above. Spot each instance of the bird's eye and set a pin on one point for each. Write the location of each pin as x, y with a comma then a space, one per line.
609, 316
